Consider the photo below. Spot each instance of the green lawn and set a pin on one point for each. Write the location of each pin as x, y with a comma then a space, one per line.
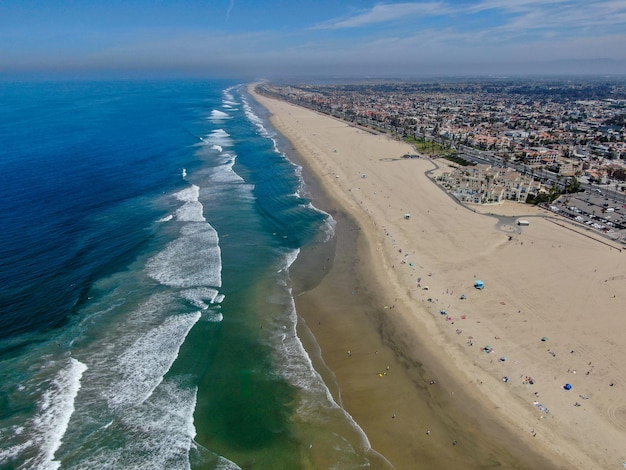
426, 147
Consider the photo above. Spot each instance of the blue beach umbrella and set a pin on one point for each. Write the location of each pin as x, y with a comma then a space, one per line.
567, 387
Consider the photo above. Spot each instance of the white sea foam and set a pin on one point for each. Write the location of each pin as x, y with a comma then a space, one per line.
167, 218
56, 408
184, 173
219, 137
49, 425
219, 148
188, 194
297, 170
234, 188
296, 366
224, 173
254, 119
298, 370
329, 228
225, 464
11, 453
200, 296
289, 258
192, 210
329, 222
229, 98
218, 116
137, 320
127, 363
192, 260
162, 431
142, 366
214, 317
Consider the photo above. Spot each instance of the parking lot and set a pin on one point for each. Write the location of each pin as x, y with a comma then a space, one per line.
594, 210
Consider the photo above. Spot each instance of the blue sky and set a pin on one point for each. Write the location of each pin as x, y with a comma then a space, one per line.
299, 38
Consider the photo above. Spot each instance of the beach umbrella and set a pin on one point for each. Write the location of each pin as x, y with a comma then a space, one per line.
544, 339
478, 284
567, 387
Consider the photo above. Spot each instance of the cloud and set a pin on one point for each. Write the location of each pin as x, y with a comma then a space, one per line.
388, 38
230, 8
521, 15
513, 5
384, 13
558, 15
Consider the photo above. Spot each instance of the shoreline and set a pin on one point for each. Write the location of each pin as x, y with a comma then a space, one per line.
318, 302
457, 405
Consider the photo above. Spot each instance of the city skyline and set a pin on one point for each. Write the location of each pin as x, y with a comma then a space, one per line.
249, 39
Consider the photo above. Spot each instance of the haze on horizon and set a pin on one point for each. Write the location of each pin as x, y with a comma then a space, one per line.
322, 38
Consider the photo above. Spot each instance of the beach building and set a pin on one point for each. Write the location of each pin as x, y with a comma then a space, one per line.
518, 187
483, 184
566, 167
540, 156
597, 175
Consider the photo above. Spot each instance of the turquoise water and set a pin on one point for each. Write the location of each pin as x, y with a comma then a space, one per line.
146, 316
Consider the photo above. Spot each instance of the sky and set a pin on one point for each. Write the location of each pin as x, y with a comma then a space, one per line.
252, 39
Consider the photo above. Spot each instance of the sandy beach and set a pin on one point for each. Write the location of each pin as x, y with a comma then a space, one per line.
440, 374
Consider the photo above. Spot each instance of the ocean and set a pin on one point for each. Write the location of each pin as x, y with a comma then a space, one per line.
146, 315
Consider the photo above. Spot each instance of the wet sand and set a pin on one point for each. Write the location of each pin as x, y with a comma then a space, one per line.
383, 338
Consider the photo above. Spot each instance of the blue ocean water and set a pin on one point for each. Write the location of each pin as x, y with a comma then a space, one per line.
146, 318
